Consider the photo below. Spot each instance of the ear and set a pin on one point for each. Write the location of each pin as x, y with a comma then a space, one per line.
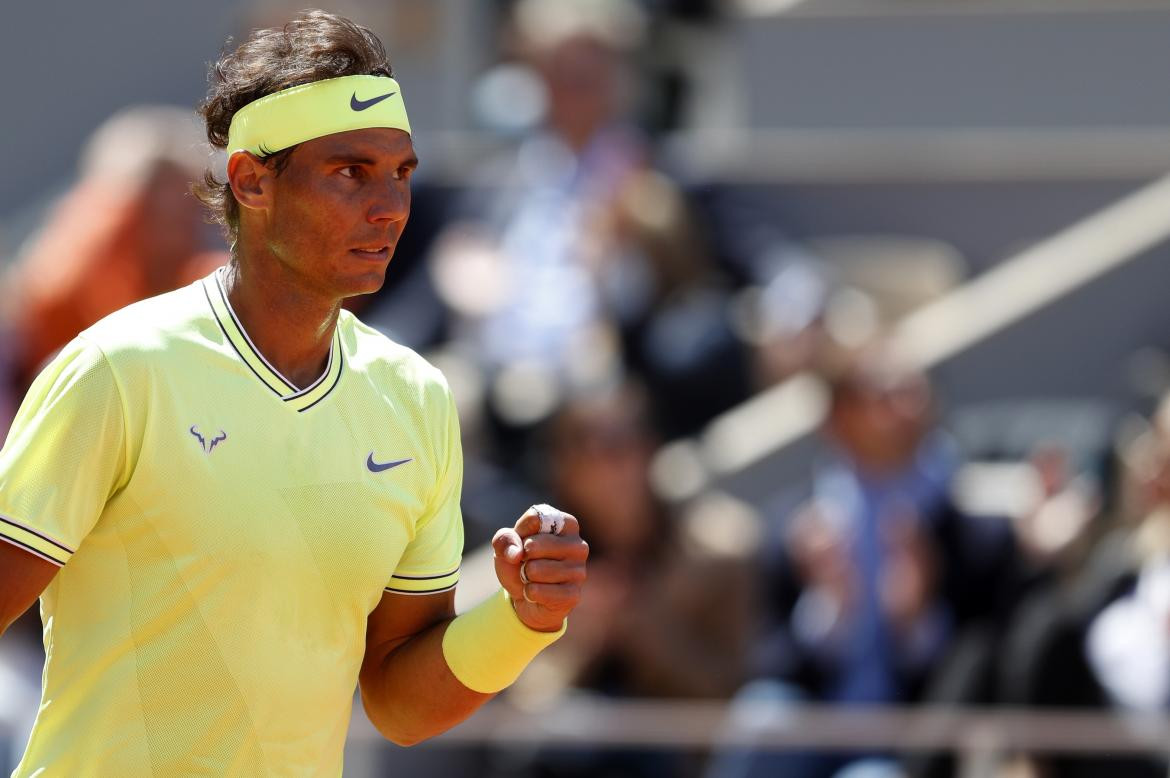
250, 180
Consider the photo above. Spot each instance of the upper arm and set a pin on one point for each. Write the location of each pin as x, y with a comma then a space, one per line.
23, 576
421, 590
398, 618
65, 455
430, 562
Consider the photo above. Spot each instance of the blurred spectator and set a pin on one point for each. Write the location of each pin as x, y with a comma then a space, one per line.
786, 290
886, 568
576, 261
671, 306
518, 269
1045, 462
872, 580
128, 230
664, 615
1103, 642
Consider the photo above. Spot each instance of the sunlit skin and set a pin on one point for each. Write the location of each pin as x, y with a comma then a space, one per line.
321, 230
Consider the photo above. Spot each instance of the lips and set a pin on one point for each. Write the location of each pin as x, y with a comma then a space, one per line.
372, 252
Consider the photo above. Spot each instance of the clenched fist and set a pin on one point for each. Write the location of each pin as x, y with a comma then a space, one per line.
542, 572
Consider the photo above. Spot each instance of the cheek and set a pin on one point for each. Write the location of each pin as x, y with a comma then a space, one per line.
313, 216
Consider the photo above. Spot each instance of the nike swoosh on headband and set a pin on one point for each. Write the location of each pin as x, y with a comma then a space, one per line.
361, 105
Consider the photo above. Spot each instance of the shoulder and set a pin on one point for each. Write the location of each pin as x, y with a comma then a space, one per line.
152, 326
391, 364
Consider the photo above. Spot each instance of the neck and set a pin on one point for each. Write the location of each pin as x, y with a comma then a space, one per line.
288, 324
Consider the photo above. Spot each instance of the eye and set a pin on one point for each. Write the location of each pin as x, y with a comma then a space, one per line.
350, 171
403, 173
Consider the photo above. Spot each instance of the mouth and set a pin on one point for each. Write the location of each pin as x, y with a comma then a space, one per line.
376, 253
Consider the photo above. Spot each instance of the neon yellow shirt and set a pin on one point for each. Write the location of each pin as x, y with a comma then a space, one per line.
223, 537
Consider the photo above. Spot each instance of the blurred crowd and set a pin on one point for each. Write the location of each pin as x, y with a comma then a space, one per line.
589, 305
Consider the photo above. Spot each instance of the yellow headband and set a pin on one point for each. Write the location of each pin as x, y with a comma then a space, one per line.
301, 113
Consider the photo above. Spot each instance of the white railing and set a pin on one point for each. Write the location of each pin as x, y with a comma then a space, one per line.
709, 725
940, 331
977, 735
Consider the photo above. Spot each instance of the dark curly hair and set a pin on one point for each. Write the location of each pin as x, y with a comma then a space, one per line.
314, 46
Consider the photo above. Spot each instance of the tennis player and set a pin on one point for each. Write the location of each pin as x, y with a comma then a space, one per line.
236, 501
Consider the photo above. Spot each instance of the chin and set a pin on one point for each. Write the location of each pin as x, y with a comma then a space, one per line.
350, 280
367, 284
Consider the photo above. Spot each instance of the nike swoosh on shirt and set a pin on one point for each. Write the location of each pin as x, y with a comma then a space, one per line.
361, 105
378, 467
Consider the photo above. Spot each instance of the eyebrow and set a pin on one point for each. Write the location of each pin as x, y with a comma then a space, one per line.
358, 159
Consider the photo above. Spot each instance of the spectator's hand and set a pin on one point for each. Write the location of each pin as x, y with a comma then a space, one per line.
821, 553
909, 576
553, 564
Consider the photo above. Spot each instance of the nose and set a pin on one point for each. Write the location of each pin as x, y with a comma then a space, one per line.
391, 202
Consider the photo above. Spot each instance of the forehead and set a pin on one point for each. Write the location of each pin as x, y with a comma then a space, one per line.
378, 144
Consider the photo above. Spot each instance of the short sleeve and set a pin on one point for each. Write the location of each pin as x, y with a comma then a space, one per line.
430, 563
65, 455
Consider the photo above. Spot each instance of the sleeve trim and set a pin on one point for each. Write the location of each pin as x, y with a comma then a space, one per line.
31, 550
425, 577
392, 590
423, 584
7, 520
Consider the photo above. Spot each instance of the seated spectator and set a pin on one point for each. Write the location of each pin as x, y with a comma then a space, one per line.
671, 306
518, 269
872, 580
1103, 642
575, 262
128, 230
662, 615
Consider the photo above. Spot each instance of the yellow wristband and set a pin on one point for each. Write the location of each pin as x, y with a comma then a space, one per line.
489, 646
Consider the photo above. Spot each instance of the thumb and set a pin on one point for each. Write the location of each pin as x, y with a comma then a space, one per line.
508, 546
508, 554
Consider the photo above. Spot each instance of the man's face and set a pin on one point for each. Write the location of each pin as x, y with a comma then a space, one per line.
880, 422
339, 207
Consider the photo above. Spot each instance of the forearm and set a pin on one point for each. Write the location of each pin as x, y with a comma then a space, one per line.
424, 672
411, 694
439, 676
